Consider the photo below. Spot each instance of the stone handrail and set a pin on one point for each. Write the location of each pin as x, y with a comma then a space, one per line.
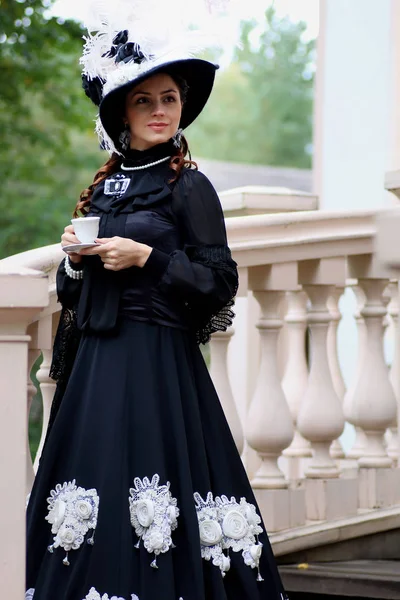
291, 406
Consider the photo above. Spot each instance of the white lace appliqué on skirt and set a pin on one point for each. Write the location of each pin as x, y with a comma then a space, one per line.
94, 595
72, 512
154, 515
226, 524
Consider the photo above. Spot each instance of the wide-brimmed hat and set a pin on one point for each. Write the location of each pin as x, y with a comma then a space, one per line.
198, 74
115, 60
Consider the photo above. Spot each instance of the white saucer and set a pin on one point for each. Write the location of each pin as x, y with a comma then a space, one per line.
77, 247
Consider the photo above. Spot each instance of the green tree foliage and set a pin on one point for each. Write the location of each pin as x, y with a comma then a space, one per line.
45, 120
261, 108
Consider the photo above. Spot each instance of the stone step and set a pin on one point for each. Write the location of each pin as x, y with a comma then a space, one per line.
349, 579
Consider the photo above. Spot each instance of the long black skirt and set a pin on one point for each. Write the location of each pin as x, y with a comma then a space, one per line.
141, 493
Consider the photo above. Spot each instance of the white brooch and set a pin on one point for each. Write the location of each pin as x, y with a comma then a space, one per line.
226, 524
72, 512
154, 515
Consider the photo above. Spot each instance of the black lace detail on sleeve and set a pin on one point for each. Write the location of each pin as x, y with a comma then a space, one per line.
219, 319
219, 322
66, 345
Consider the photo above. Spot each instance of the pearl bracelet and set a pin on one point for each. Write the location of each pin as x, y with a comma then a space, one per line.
74, 274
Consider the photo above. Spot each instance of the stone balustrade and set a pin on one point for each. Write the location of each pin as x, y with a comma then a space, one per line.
277, 372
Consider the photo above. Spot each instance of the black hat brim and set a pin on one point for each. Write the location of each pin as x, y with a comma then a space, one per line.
199, 75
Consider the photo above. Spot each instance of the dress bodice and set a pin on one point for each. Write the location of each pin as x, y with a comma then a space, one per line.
189, 280
138, 205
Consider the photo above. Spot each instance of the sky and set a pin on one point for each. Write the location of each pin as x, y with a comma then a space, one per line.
305, 10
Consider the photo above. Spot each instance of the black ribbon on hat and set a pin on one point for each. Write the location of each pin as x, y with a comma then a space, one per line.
125, 51
93, 88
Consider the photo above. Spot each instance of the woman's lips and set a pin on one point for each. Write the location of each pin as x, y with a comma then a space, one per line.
157, 126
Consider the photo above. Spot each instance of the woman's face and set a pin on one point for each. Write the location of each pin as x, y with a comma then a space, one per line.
153, 111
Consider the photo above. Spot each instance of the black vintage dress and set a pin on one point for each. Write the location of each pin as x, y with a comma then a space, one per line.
141, 493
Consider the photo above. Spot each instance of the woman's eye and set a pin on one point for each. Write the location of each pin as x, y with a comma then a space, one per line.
170, 99
142, 100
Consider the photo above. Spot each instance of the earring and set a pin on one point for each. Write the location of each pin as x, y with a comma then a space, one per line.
125, 137
177, 138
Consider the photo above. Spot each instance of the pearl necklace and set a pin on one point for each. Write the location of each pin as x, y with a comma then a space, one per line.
141, 167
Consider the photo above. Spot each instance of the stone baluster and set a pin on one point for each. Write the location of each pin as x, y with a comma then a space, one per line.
393, 449
219, 374
336, 449
47, 385
33, 354
269, 424
295, 379
269, 428
374, 404
359, 442
23, 293
321, 416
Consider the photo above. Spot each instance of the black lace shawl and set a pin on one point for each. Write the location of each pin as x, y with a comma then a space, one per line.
202, 274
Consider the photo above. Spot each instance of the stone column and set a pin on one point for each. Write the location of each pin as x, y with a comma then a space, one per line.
220, 376
47, 385
269, 426
336, 450
374, 403
23, 293
295, 379
393, 310
321, 417
359, 442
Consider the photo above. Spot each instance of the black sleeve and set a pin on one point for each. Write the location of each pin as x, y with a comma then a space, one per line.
202, 274
68, 289
67, 336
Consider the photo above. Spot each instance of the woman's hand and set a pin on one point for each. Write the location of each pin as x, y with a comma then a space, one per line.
68, 238
119, 253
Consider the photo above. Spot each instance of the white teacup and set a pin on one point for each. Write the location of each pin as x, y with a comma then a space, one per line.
86, 229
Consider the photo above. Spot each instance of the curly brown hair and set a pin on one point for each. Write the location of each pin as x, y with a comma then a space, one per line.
113, 165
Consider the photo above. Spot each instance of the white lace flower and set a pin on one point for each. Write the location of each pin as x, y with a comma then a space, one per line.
67, 537
154, 513
83, 509
234, 525
210, 532
239, 534
145, 512
29, 594
72, 512
94, 595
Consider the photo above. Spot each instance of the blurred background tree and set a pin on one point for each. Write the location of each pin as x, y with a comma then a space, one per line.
45, 119
260, 111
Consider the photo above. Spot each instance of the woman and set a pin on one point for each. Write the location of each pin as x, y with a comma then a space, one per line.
141, 493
